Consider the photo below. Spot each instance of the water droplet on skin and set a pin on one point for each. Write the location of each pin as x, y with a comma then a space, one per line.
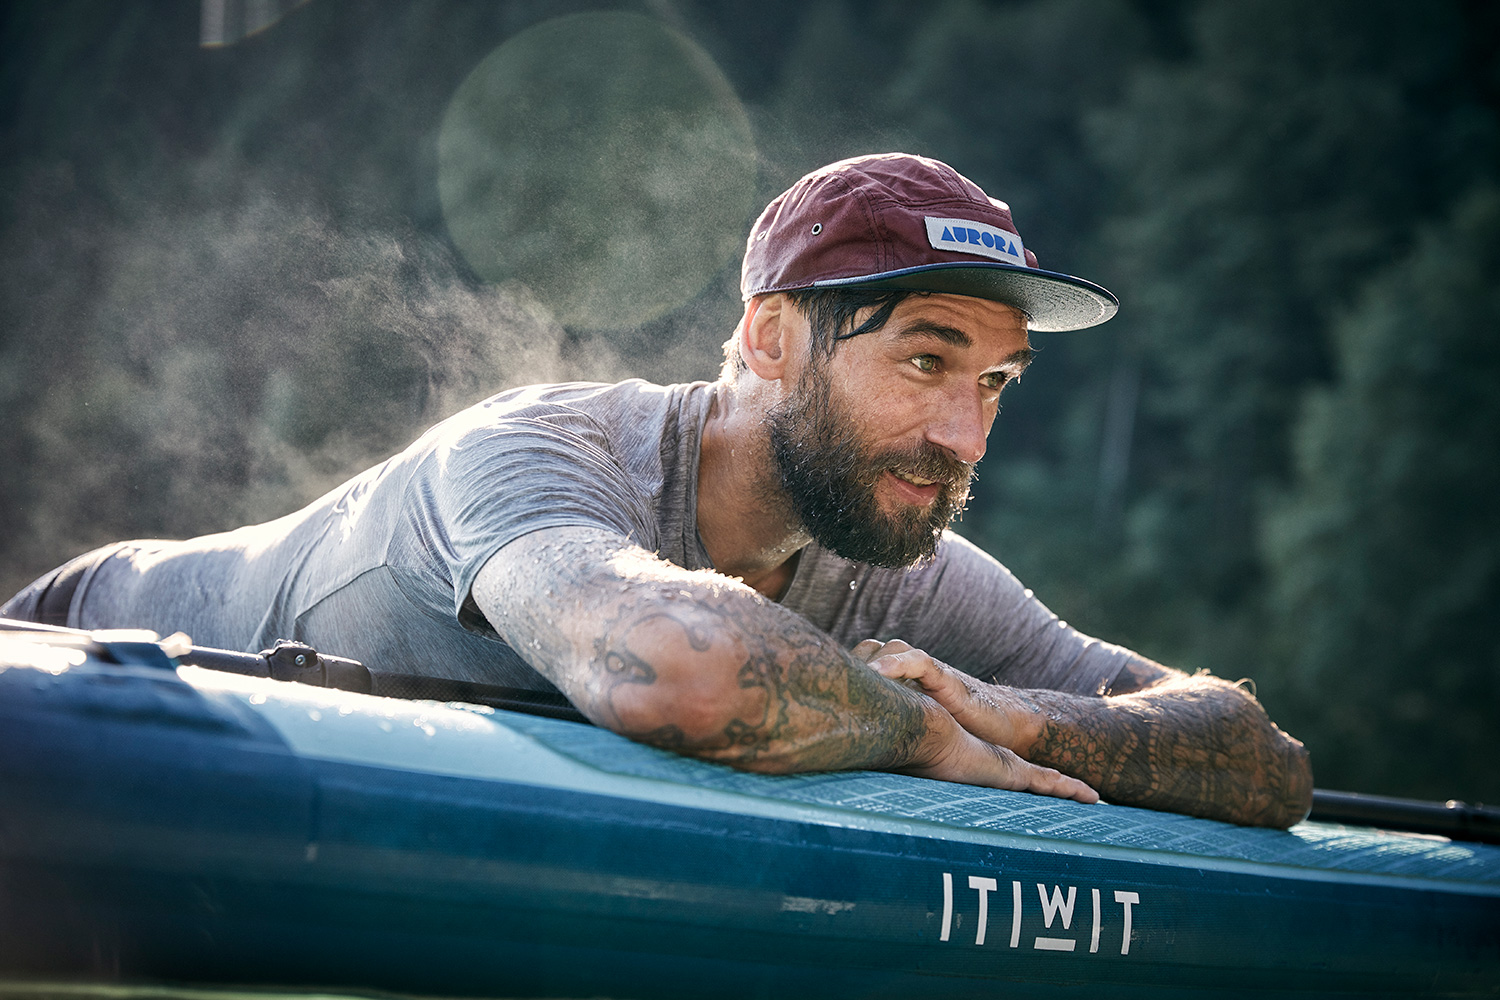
853, 585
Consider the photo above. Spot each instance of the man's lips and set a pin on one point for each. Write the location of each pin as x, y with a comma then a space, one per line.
913, 488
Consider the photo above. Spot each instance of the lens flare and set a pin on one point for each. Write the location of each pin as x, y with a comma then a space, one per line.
604, 161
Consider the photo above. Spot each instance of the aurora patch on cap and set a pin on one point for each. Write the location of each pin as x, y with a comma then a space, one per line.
966, 236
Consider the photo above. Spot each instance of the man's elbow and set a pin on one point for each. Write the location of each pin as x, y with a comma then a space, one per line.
1295, 802
1285, 768
1272, 781
1277, 782
700, 712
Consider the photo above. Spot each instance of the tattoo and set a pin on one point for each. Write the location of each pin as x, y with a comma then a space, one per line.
620, 632
1196, 745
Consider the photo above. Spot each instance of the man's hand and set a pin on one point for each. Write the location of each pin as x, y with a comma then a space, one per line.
952, 753
1196, 745
990, 711
701, 664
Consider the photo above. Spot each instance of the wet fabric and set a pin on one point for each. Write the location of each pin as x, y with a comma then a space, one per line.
380, 568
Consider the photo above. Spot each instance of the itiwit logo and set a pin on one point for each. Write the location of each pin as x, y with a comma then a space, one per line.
965, 236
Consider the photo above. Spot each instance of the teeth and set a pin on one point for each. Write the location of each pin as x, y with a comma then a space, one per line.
916, 480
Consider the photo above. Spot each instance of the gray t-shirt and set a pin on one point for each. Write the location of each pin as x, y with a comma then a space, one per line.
380, 568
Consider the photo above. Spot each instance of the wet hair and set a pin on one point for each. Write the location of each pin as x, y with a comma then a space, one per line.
830, 313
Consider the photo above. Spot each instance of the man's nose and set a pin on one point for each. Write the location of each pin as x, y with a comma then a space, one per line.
962, 427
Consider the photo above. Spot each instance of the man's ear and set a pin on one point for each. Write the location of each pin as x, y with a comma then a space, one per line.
768, 335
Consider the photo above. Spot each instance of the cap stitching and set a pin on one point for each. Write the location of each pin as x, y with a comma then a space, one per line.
872, 219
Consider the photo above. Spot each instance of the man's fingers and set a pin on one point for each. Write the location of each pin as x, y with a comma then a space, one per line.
910, 664
958, 755
1047, 781
868, 649
1029, 777
932, 676
982, 709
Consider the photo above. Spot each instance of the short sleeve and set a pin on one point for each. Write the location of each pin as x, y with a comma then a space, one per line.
489, 484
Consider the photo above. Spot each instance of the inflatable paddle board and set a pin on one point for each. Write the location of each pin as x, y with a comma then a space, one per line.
174, 825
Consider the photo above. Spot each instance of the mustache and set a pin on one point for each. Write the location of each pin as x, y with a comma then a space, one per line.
925, 461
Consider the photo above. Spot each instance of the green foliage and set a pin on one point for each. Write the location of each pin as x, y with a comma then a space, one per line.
1263, 177
1385, 551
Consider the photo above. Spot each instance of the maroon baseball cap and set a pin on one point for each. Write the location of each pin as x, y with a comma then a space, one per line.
897, 221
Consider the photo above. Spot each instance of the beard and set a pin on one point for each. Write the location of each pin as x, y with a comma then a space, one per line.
828, 476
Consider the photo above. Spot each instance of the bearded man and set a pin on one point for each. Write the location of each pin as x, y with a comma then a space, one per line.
756, 570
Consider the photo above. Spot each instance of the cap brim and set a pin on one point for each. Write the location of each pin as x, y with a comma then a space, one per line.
1051, 301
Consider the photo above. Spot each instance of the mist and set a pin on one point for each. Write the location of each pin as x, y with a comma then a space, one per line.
222, 364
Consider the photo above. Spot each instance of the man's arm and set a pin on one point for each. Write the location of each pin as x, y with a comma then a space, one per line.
1196, 745
699, 663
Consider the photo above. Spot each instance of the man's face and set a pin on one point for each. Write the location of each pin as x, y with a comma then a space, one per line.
876, 446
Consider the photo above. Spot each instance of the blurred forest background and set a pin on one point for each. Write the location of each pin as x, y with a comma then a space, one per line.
249, 247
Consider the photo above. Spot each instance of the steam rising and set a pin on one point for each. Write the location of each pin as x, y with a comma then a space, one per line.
229, 363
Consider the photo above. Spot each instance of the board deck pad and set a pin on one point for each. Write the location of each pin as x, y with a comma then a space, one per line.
1319, 846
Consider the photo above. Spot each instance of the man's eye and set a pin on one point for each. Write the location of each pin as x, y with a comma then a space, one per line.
993, 380
925, 362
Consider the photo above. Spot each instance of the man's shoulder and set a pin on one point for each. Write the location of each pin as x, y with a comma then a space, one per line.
632, 424
600, 403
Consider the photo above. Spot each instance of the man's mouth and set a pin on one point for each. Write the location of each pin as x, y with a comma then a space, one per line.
914, 489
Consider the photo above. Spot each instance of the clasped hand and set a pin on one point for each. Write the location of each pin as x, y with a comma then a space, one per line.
986, 725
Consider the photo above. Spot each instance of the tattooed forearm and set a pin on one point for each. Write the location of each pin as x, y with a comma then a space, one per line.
793, 697
694, 662
1196, 745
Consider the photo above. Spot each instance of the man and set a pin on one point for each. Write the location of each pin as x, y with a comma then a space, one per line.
695, 566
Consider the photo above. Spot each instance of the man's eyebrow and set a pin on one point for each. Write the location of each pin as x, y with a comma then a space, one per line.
1016, 361
951, 334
